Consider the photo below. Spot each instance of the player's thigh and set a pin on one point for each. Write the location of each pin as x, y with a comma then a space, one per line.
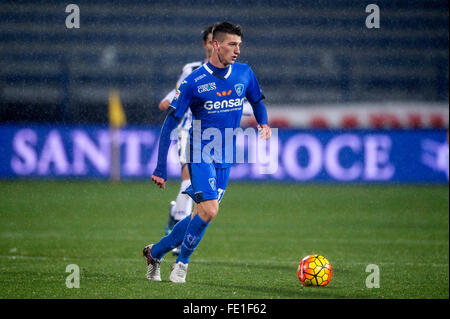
207, 182
203, 182
222, 176
182, 145
184, 173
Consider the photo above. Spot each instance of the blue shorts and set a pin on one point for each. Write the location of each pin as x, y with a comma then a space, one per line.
207, 181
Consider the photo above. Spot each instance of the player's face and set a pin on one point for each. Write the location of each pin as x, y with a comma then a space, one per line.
229, 49
208, 45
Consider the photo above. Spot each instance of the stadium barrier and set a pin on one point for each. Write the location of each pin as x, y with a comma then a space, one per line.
367, 156
377, 115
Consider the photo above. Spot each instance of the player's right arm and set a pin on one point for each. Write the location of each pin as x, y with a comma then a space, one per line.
159, 175
180, 103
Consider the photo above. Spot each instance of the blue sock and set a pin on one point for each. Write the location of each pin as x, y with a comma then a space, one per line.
174, 239
194, 234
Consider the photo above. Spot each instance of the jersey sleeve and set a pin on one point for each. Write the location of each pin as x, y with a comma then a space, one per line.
182, 100
254, 93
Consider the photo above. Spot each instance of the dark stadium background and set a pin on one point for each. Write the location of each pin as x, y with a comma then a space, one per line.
304, 53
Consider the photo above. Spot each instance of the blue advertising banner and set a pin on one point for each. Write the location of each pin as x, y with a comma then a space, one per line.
395, 156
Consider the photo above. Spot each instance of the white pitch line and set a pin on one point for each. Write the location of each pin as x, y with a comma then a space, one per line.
356, 240
248, 262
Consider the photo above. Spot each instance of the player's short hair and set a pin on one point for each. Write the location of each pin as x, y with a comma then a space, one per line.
206, 32
221, 28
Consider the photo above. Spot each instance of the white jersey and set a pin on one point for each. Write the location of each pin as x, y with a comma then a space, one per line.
186, 121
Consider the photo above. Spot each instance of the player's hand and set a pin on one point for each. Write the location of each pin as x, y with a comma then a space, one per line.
264, 131
159, 181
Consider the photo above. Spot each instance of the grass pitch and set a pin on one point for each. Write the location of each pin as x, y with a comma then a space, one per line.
251, 250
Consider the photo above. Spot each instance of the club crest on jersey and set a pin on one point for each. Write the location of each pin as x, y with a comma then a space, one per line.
239, 88
206, 87
212, 183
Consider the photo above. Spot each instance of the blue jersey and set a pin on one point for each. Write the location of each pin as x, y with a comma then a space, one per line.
216, 97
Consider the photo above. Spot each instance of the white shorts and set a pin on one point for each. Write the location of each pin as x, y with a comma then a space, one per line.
183, 139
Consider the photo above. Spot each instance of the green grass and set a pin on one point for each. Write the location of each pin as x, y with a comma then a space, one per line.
251, 250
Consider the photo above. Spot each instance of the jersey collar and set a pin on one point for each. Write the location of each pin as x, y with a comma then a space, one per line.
217, 71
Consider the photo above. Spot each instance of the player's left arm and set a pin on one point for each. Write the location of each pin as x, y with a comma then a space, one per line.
264, 129
255, 96
260, 112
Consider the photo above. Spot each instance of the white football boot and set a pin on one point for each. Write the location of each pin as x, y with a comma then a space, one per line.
153, 264
179, 271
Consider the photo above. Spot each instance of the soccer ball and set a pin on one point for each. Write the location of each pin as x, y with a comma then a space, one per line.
314, 270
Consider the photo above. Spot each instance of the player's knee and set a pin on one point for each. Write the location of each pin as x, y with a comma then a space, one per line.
210, 214
209, 210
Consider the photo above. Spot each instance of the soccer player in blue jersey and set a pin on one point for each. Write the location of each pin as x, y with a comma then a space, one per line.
182, 206
215, 94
